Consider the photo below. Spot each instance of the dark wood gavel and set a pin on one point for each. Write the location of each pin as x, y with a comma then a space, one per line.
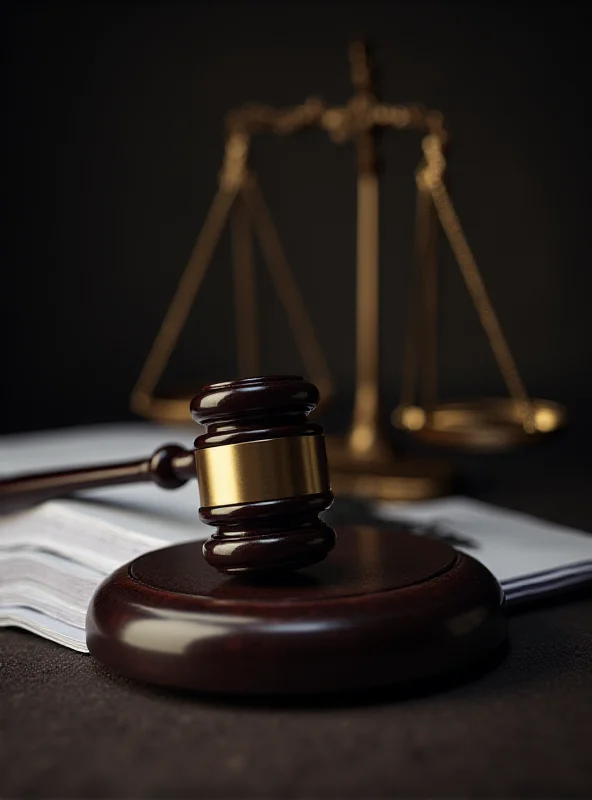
387, 607
261, 468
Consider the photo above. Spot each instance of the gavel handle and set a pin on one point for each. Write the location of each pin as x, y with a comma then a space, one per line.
169, 467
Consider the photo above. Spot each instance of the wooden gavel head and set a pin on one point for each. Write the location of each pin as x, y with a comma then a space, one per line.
262, 474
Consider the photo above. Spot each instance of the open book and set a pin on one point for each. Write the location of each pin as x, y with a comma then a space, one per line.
53, 557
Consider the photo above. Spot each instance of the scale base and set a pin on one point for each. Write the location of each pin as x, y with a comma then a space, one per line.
384, 608
382, 476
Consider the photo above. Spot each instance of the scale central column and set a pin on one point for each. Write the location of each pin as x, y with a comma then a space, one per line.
364, 440
363, 464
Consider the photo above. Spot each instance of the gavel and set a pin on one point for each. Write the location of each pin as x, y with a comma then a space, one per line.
388, 607
261, 469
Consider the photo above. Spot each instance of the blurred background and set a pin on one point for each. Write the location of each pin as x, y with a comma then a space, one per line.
113, 139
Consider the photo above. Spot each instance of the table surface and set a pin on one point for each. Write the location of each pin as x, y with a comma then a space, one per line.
70, 729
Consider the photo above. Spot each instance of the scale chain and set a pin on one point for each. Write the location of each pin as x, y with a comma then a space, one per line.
432, 175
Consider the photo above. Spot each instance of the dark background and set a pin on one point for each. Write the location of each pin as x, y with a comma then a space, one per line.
113, 121
113, 138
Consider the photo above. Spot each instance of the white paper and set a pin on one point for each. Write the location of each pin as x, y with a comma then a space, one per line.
53, 557
524, 553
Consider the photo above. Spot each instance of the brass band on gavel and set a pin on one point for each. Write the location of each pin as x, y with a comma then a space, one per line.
261, 470
262, 474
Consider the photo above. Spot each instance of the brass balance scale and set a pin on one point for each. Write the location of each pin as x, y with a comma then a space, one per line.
362, 462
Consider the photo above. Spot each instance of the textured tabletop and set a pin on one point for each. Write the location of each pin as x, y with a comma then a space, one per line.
523, 730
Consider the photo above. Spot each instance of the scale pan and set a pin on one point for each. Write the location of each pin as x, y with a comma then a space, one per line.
485, 425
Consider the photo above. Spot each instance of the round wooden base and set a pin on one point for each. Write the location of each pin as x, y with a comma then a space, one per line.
385, 607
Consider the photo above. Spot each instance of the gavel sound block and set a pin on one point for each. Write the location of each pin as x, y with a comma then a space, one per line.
265, 612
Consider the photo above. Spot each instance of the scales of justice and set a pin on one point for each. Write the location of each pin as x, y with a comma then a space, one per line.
362, 461
277, 602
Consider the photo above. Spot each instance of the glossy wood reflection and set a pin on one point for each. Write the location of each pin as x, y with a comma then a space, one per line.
405, 609
263, 475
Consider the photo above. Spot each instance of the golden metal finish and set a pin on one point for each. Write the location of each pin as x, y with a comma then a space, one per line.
245, 292
383, 476
470, 272
267, 469
286, 287
490, 425
176, 316
365, 436
356, 120
365, 433
362, 461
487, 424
236, 182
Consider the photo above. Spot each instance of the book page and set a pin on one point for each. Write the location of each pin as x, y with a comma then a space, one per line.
512, 545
